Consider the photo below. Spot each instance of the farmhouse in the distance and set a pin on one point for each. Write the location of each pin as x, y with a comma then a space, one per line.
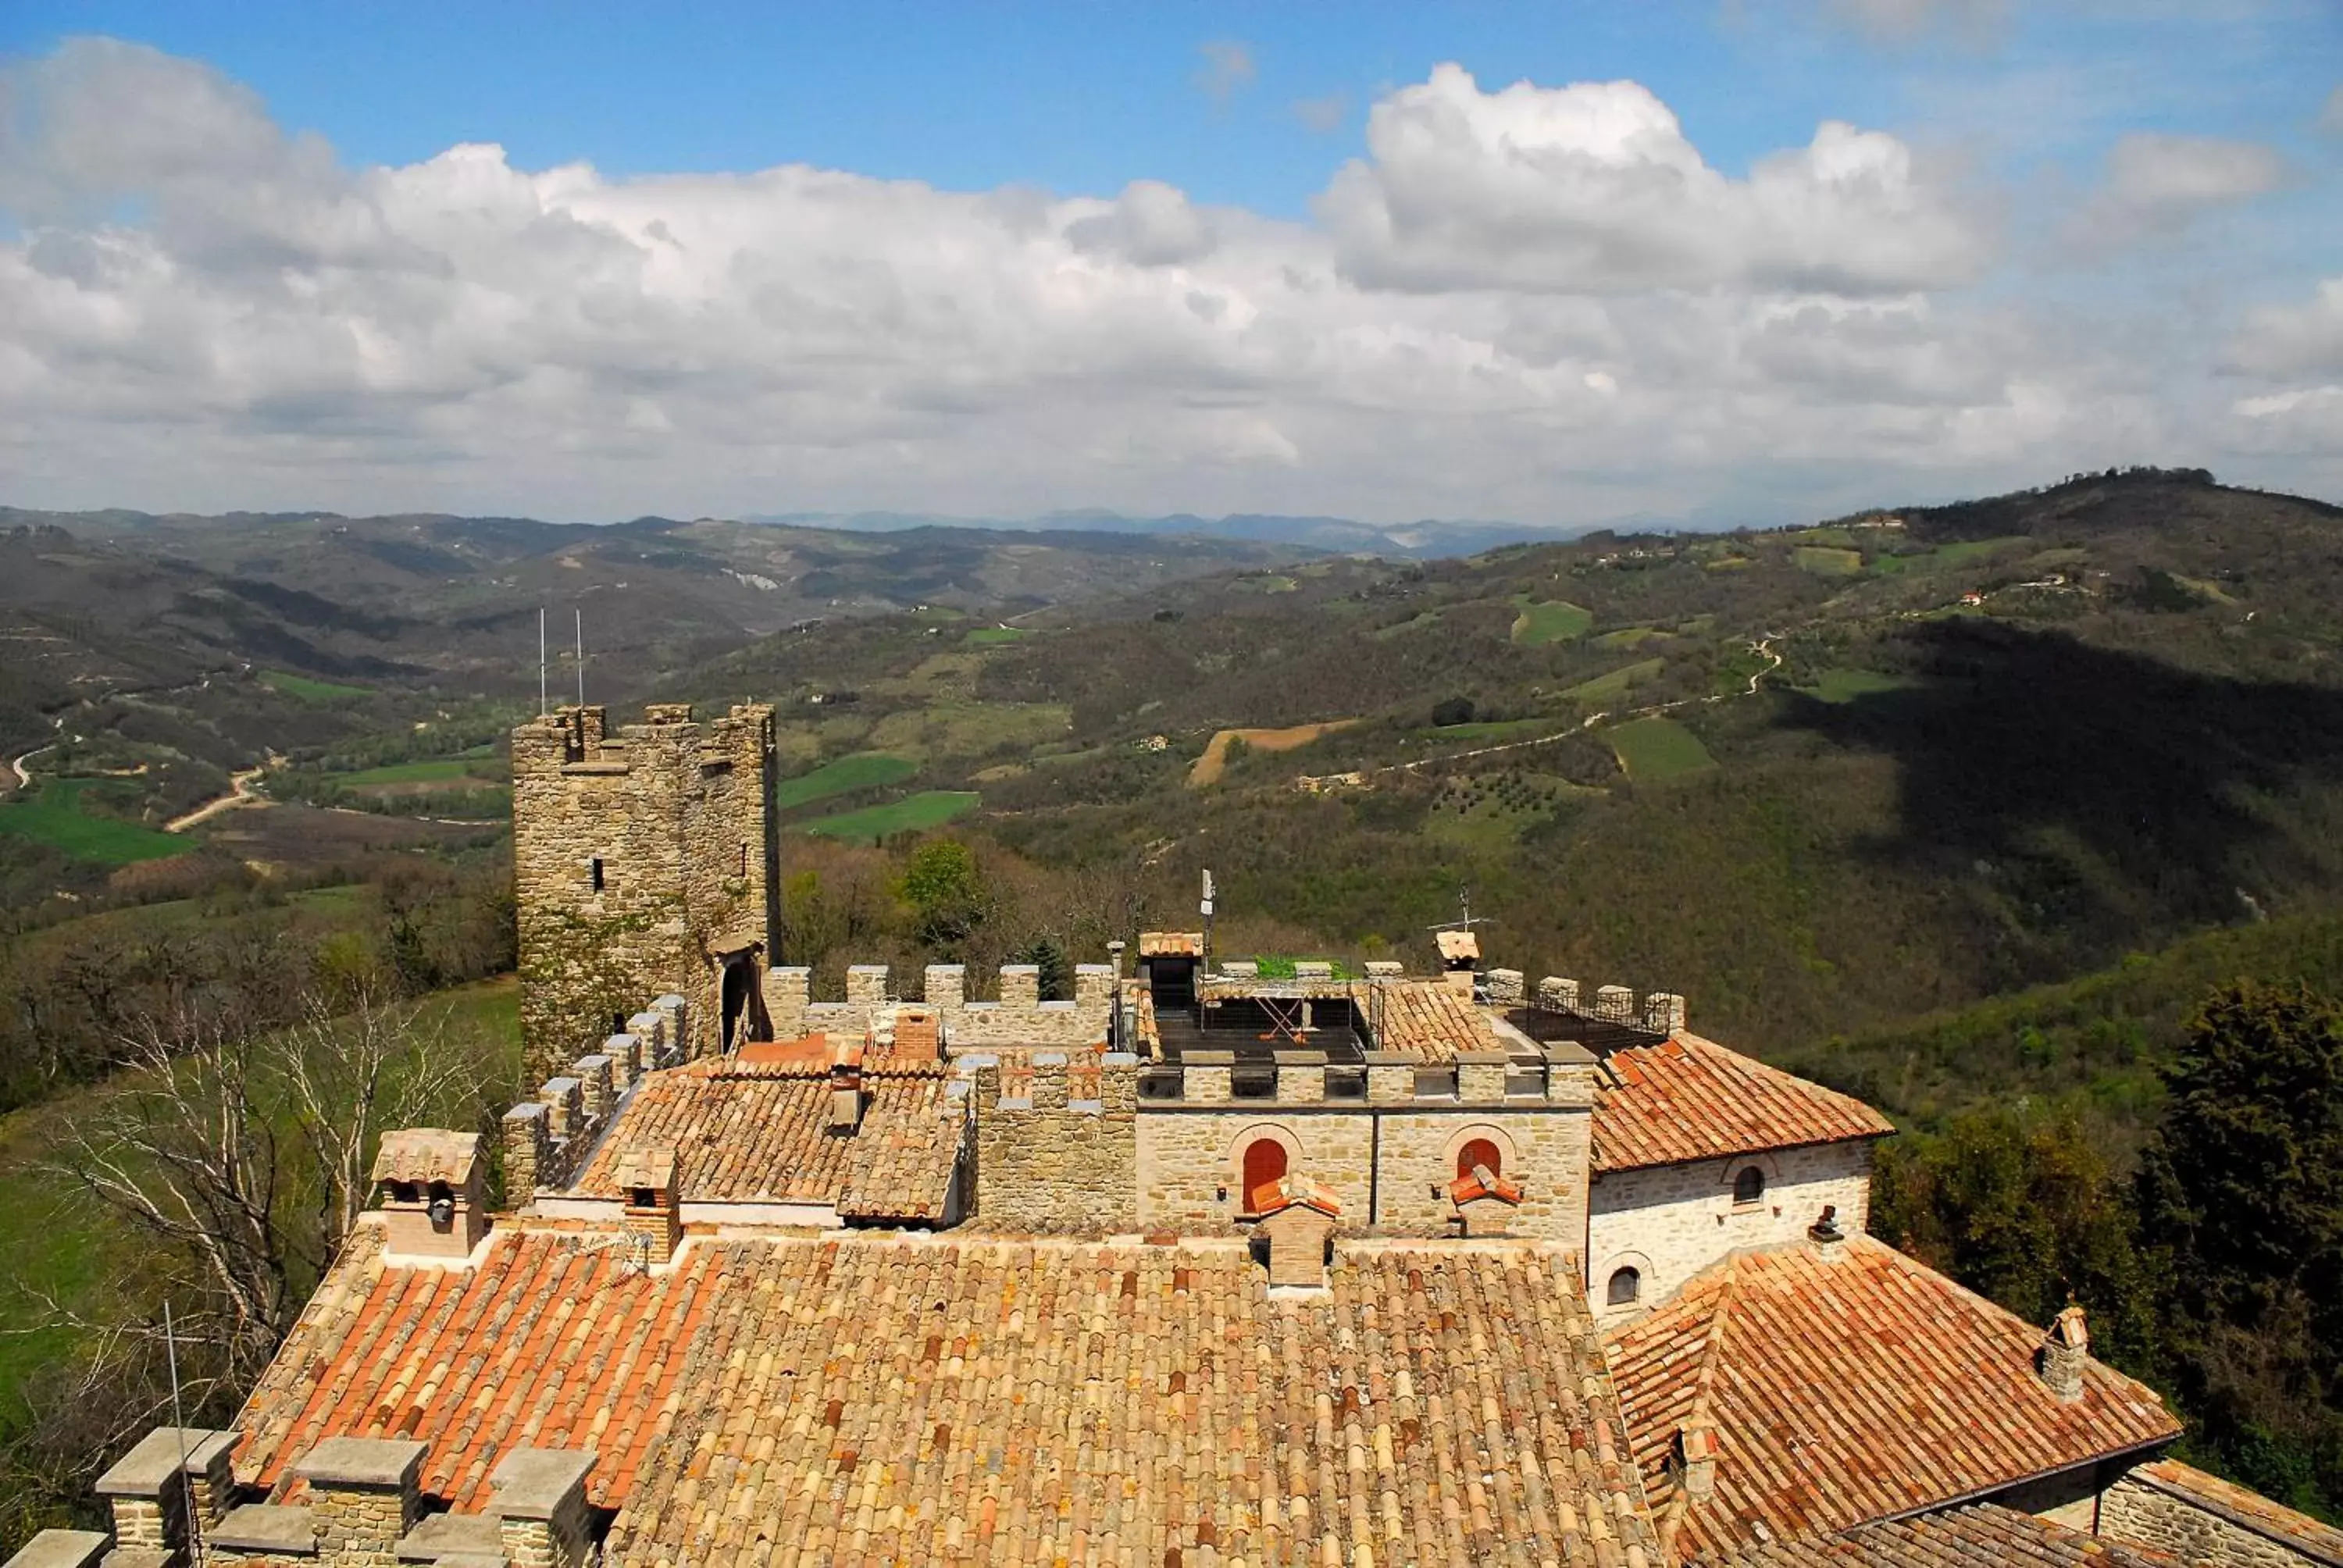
1204, 1265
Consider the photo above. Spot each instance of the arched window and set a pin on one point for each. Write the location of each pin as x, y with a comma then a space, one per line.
1749, 1186
1479, 1153
1626, 1287
1264, 1166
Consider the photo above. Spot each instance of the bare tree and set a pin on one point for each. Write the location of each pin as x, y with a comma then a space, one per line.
244, 1155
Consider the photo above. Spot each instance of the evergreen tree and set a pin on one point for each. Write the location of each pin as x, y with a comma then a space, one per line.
1049, 955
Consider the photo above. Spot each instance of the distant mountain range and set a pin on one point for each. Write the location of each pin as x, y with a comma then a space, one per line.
1428, 540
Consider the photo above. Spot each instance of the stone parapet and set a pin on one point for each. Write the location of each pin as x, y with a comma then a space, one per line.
363, 1498
62, 1549
528, 1151
544, 1519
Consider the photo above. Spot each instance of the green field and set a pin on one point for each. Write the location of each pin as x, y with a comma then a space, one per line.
1844, 685
1629, 635
1823, 560
1650, 749
1414, 623
1610, 688
309, 689
928, 809
862, 770
1560, 621
432, 770
55, 818
992, 634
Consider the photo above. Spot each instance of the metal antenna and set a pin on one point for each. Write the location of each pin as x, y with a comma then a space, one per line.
543, 706
581, 658
179, 1430
1467, 919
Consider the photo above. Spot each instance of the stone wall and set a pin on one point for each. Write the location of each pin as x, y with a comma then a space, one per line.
2137, 1509
1390, 1167
1671, 1222
1019, 1019
1055, 1148
675, 819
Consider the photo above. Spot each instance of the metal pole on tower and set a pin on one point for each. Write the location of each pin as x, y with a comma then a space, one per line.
581, 658
542, 706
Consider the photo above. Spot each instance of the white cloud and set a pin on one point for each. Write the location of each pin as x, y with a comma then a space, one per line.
2283, 342
1538, 304
1903, 21
1594, 188
2158, 183
2330, 113
1228, 68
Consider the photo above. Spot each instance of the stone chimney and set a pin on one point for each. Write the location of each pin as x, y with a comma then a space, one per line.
433, 1186
173, 1473
1484, 1202
1695, 1461
1460, 955
653, 1210
363, 1496
1827, 1235
2065, 1348
1298, 1223
541, 1503
846, 1090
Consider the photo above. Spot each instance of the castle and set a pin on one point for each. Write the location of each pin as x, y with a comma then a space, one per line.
1203, 1265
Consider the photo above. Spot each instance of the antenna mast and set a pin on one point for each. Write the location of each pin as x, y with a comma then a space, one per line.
542, 706
179, 1426
581, 658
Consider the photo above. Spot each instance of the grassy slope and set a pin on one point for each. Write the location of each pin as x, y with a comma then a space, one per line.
862, 770
928, 809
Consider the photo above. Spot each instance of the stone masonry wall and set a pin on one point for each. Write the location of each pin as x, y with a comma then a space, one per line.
1671, 1222
679, 817
1061, 1156
1384, 1163
2136, 1510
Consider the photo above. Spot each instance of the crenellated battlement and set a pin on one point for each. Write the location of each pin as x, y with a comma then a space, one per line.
1019, 1018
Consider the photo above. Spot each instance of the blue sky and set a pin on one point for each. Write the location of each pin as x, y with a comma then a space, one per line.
2079, 232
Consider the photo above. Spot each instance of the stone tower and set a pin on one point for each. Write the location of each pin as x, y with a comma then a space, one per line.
645, 861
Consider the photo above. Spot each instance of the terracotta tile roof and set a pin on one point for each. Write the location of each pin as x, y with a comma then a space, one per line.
1847, 1390
1286, 1191
1457, 946
1432, 1019
1975, 1535
1465, 1189
892, 1398
1171, 944
556, 1340
1689, 1099
745, 1132
2299, 1532
1027, 1401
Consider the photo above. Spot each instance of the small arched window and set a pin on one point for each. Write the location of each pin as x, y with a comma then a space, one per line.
1749, 1186
1626, 1287
1264, 1166
1479, 1153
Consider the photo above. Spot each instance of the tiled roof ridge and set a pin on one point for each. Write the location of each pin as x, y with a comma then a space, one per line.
1670, 1519
1687, 1097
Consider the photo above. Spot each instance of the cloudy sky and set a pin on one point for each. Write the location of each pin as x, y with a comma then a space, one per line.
1563, 263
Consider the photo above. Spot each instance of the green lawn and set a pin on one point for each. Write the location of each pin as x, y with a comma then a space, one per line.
55, 818
861, 770
991, 634
928, 809
1610, 688
1560, 621
1650, 749
309, 689
1844, 685
1824, 561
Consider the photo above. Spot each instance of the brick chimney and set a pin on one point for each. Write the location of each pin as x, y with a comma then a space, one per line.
432, 1183
653, 1213
541, 1505
1298, 1221
2065, 1348
363, 1496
